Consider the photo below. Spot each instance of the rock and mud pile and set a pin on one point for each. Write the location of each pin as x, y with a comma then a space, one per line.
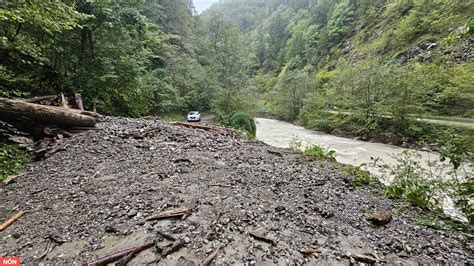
104, 192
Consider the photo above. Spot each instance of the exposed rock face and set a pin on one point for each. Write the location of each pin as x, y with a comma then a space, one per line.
418, 52
96, 196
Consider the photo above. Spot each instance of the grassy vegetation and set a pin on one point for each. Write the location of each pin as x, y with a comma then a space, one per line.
360, 176
12, 160
425, 187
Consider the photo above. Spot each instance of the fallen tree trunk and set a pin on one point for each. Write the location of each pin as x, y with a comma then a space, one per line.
16, 109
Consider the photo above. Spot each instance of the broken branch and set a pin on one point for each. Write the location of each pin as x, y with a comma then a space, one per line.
364, 258
211, 257
175, 246
264, 239
11, 220
310, 251
277, 153
119, 255
166, 235
168, 214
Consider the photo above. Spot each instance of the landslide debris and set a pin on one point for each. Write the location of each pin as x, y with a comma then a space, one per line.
244, 201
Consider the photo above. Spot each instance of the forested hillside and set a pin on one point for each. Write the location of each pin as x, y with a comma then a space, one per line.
359, 67
132, 59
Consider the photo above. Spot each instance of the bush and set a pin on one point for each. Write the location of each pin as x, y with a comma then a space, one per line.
360, 177
411, 182
241, 121
12, 160
317, 152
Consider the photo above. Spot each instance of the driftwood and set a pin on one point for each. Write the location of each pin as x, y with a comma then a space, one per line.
175, 246
219, 185
166, 235
277, 153
367, 258
211, 257
229, 131
310, 251
79, 103
51, 243
63, 102
38, 99
264, 239
119, 255
11, 220
48, 249
169, 214
16, 109
208, 128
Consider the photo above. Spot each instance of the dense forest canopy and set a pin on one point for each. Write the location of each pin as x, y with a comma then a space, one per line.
299, 58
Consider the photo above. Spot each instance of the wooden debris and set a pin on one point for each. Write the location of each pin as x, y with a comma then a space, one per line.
211, 257
219, 185
230, 132
168, 214
16, 109
196, 126
56, 240
182, 160
38, 99
119, 255
54, 150
11, 220
166, 235
310, 251
264, 239
381, 218
63, 102
79, 103
48, 249
126, 259
367, 258
175, 246
277, 153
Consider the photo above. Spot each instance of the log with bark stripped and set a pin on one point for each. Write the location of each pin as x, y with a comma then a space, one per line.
11, 110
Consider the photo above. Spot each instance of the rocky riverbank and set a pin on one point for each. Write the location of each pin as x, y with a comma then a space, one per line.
260, 207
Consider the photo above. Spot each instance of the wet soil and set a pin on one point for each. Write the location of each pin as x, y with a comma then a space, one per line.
96, 195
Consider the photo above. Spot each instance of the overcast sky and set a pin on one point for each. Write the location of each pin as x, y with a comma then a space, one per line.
202, 5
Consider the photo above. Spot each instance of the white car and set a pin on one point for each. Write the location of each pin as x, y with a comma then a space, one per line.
194, 116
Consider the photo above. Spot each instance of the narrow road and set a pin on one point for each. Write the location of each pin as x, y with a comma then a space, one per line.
467, 122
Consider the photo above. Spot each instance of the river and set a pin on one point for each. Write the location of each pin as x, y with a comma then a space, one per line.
349, 151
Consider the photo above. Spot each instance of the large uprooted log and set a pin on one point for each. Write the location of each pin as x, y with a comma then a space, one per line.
18, 109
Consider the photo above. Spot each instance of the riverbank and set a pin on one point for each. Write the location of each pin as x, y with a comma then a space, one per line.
97, 195
362, 153
422, 134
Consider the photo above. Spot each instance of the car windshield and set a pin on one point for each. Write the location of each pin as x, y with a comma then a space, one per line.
194, 113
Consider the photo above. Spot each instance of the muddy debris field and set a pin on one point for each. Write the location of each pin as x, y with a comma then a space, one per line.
204, 196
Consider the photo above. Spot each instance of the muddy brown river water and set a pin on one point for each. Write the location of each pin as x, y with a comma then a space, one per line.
348, 151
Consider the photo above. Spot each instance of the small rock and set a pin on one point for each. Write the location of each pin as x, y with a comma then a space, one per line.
132, 213
381, 218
